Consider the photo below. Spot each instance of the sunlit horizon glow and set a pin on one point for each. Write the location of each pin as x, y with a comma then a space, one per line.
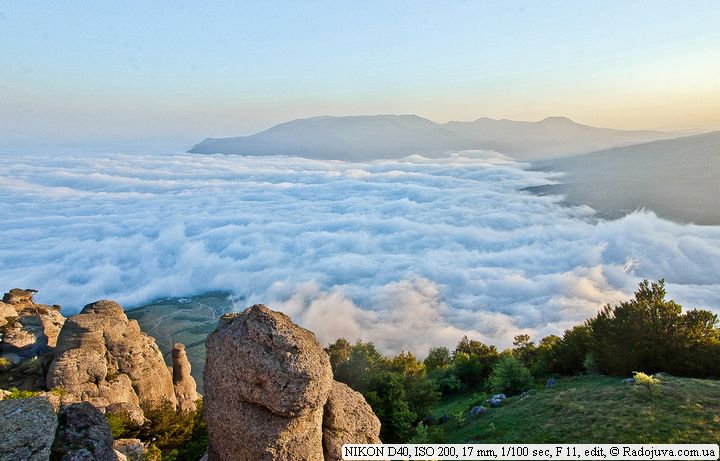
78, 72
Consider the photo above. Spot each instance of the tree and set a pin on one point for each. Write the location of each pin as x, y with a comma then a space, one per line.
510, 376
438, 357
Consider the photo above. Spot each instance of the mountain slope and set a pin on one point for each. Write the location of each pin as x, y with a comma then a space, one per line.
394, 136
550, 137
678, 179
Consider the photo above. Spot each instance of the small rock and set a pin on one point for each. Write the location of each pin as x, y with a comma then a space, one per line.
477, 411
131, 448
429, 421
552, 382
628, 381
495, 402
443, 419
28, 429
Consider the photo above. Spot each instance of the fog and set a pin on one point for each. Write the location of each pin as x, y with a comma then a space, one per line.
408, 253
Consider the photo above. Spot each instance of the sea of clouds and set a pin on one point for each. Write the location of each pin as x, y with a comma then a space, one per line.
409, 254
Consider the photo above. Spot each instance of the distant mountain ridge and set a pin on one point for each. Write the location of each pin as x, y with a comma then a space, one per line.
368, 137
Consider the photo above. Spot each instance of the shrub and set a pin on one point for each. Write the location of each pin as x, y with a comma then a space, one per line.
16, 393
510, 376
649, 382
4, 362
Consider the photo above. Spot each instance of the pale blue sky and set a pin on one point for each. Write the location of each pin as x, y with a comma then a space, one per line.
88, 71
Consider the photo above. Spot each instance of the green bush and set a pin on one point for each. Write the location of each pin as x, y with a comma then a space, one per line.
649, 382
510, 376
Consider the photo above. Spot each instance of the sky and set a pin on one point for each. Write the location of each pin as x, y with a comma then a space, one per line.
94, 72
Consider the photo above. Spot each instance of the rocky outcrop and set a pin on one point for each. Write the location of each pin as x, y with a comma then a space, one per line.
103, 358
269, 393
28, 428
18, 296
28, 329
266, 383
348, 419
185, 387
83, 434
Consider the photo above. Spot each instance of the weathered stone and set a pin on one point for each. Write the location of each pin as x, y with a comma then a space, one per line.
130, 410
83, 434
104, 358
184, 383
347, 419
30, 329
133, 449
266, 382
28, 428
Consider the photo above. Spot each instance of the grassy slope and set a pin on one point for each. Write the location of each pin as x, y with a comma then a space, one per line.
592, 409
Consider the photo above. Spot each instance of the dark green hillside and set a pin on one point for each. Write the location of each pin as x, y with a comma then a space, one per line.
591, 409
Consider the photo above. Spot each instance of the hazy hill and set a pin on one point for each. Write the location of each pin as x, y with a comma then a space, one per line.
678, 179
550, 137
346, 138
395, 136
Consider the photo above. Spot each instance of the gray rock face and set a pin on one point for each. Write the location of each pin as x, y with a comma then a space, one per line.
184, 383
266, 383
83, 434
30, 329
347, 419
133, 449
28, 429
104, 358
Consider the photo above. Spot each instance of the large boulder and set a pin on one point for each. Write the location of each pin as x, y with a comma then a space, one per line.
185, 387
83, 434
103, 358
29, 329
28, 429
266, 382
347, 419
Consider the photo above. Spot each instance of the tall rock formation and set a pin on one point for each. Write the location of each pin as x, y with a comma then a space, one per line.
184, 383
267, 384
103, 358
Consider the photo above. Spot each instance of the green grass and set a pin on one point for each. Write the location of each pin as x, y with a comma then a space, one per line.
592, 409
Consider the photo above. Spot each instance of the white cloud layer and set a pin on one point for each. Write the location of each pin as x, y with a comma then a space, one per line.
409, 254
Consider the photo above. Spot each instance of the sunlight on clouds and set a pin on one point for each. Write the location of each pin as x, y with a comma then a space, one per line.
410, 253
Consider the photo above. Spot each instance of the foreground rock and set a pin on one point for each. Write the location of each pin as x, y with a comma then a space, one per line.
185, 387
266, 383
103, 358
83, 434
29, 329
28, 429
347, 419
